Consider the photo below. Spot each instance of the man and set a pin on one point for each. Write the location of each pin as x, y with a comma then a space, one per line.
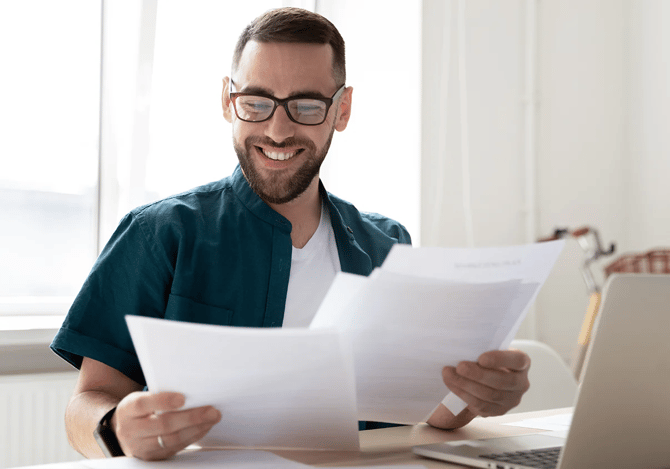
257, 249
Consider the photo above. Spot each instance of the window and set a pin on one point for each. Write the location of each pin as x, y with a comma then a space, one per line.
49, 116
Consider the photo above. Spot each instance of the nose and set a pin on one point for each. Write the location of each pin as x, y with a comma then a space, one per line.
279, 127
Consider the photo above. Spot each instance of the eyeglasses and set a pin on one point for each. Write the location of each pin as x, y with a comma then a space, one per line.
305, 110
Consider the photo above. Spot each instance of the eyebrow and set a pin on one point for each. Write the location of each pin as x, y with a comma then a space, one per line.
259, 90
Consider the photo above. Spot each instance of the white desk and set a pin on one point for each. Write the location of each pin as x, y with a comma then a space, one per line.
392, 446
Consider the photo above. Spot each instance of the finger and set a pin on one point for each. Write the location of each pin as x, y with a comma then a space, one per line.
135, 410
181, 439
453, 378
481, 400
171, 422
177, 430
142, 404
479, 407
501, 379
514, 360
172, 444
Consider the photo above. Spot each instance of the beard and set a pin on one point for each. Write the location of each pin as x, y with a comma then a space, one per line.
282, 186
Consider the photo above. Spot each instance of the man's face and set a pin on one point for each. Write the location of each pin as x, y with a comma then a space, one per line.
280, 158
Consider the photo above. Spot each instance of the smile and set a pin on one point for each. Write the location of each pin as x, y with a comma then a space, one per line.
279, 156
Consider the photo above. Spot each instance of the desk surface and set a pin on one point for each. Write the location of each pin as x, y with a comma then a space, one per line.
392, 446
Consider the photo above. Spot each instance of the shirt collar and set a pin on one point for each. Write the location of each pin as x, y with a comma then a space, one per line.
352, 258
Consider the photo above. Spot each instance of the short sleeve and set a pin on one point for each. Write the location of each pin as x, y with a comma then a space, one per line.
129, 277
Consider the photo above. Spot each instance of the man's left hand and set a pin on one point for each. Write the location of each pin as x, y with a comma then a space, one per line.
492, 385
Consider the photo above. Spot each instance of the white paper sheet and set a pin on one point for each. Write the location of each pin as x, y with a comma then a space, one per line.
427, 308
531, 262
559, 422
275, 388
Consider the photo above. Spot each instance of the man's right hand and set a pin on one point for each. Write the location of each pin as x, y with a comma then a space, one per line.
142, 417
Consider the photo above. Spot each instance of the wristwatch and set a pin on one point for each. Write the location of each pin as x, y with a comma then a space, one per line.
106, 438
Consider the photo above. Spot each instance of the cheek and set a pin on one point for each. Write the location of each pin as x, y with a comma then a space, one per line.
240, 131
319, 135
318, 138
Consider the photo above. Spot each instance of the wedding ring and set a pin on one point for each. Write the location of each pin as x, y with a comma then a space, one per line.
160, 442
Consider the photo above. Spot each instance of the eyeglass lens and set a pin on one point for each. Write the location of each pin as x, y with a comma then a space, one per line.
259, 108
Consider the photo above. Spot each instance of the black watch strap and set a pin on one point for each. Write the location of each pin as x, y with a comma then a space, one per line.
106, 438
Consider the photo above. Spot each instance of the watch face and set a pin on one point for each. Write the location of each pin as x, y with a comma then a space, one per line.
106, 438
100, 439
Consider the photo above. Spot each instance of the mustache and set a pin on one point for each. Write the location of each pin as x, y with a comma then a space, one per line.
289, 142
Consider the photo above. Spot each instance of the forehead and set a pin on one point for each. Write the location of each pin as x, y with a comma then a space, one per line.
286, 68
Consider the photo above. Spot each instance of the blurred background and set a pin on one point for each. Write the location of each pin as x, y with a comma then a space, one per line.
475, 123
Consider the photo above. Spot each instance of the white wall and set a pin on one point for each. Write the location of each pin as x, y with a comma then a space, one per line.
602, 135
582, 158
649, 124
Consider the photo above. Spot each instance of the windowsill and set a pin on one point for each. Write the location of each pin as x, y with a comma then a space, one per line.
32, 329
31, 320
24, 345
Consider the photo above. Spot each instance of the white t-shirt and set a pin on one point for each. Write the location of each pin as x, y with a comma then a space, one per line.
313, 269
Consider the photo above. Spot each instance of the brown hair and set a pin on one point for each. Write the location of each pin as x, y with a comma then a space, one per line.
295, 25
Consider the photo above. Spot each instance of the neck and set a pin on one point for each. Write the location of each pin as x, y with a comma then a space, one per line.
304, 213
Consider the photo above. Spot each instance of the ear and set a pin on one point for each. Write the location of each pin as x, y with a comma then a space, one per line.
344, 109
225, 100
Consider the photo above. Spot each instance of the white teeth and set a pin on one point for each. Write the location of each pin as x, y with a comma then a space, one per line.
273, 155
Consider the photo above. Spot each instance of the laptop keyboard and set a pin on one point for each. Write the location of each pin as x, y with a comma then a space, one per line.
543, 458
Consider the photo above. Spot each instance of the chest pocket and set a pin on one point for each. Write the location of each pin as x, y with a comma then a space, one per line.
186, 310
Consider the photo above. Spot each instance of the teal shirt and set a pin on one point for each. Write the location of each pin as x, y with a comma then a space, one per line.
217, 254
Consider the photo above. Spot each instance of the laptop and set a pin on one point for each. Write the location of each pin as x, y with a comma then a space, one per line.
621, 417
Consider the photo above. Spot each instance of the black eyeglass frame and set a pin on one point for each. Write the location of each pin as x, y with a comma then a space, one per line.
284, 103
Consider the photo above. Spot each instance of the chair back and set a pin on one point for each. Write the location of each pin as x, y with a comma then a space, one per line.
552, 383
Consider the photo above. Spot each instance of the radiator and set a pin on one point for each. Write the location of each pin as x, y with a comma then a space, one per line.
32, 428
